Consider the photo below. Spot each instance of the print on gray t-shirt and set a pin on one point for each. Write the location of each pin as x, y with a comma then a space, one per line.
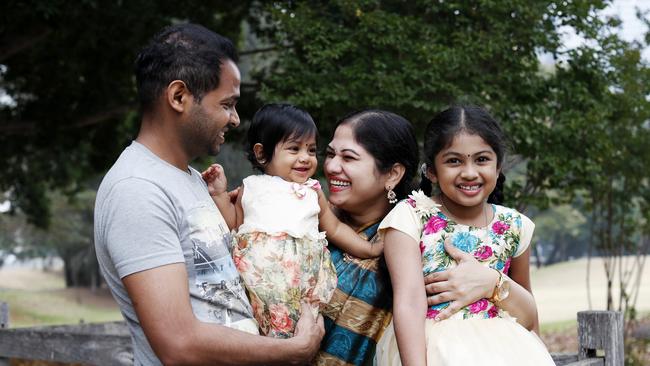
216, 280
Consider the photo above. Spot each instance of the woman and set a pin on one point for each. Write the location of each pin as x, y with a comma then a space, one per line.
371, 161
373, 153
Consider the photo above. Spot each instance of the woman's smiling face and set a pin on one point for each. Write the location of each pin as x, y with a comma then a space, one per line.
354, 183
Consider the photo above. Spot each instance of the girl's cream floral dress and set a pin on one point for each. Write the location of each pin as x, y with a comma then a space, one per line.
480, 333
280, 254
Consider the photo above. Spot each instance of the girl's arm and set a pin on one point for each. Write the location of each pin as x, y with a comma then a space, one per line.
215, 177
470, 281
522, 305
342, 235
404, 263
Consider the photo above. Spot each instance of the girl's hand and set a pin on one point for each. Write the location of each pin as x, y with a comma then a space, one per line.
215, 177
462, 285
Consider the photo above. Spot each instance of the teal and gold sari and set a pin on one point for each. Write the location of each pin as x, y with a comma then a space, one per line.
360, 309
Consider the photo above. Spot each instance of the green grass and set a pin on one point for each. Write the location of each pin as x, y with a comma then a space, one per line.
558, 326
50, 307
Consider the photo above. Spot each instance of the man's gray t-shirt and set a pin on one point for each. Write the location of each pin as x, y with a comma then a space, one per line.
148, 213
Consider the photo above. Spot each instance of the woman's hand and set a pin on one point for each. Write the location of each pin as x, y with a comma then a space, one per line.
462, 285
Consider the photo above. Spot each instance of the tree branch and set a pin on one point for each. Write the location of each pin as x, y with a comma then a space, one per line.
11, 45
258, 50
31, 127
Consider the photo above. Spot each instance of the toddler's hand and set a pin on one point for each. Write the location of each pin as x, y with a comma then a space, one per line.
232, 195
215, 177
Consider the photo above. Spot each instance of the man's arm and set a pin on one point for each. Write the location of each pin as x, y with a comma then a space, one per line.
160, 297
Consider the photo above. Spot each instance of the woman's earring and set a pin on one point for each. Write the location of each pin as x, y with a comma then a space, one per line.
392, 197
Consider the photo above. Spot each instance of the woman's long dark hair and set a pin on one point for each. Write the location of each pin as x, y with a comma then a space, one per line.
390, 139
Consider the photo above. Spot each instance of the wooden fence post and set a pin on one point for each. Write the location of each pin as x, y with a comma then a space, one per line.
4, 315
4, 324
601, 330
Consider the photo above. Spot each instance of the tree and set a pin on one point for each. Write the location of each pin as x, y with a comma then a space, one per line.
67, 69
416, 57
580, 128
69, 237
621, 192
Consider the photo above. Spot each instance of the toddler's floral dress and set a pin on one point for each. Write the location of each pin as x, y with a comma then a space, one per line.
280, 254
480, 333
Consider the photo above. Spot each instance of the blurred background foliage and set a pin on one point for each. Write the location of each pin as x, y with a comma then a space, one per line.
578, 125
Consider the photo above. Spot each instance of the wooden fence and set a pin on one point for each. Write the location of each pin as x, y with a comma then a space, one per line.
600, 342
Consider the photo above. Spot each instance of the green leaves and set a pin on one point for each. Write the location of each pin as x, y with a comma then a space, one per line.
69, 69
575, 127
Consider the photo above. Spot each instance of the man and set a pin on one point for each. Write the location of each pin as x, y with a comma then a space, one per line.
162, 245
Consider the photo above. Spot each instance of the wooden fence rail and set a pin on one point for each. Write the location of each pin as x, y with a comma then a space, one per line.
110, 343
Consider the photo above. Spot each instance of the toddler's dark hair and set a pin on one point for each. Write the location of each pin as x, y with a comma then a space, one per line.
273, 124
474, 120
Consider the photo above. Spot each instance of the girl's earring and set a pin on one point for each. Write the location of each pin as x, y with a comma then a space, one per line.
392, 197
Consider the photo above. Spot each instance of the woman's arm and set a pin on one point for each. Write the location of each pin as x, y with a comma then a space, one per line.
409, 299
470, 281
342, 235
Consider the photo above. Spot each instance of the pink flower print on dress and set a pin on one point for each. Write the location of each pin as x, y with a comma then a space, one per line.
280, 319
432, 313
293, 272
421, 247
500, 227
240, 262
478, 306
506, 267
483, 253
411, 202
279, 236
493, 312
435, 224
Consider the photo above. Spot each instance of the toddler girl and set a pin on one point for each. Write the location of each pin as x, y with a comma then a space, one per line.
464, 152
280, 253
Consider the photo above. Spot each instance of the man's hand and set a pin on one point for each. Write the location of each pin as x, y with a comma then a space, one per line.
215, 177
308, 334
462, 285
